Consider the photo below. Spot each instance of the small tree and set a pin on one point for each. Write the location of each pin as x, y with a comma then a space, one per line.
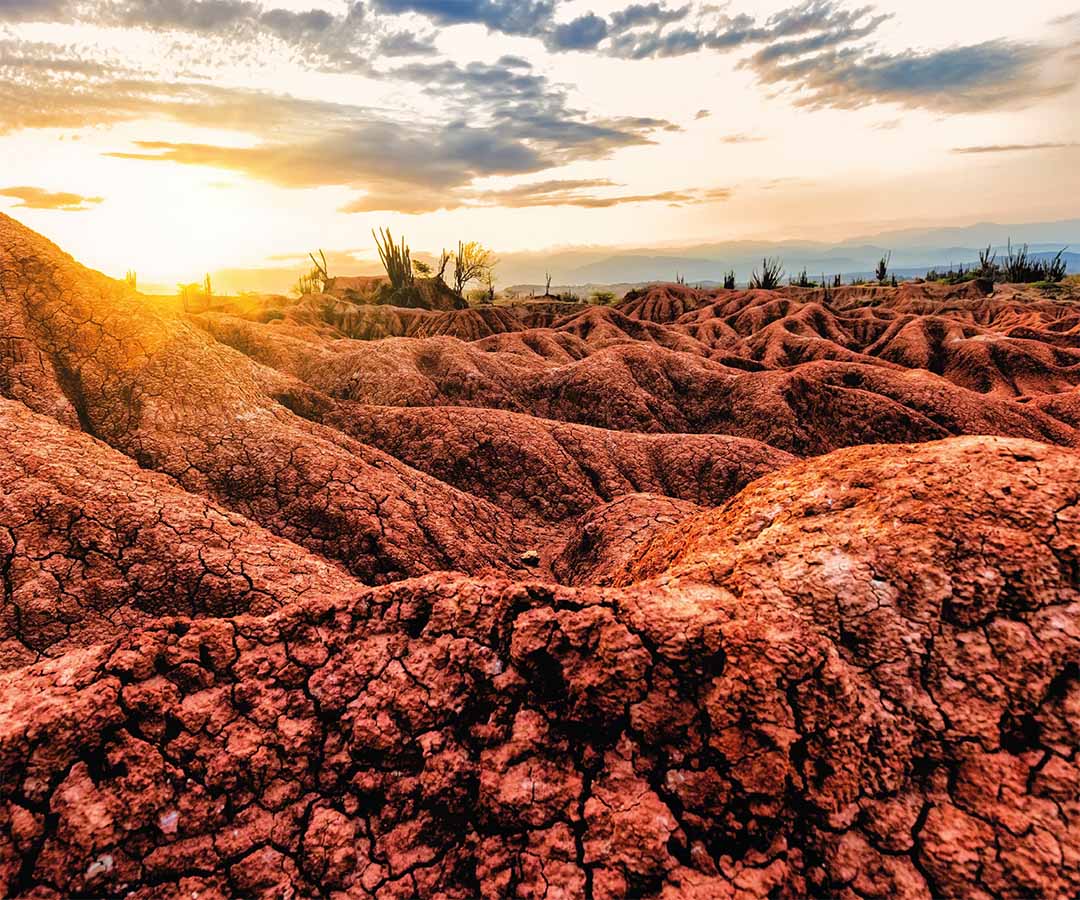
470, 263
489, 285
421, 268
729, 280
768, 279
882, 270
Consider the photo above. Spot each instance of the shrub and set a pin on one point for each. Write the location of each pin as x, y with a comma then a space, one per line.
602, 298
194, 291
768, 279
960, 276
803, 280
882, 270
314, 282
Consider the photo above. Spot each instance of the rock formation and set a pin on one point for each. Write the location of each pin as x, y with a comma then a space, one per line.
710, 595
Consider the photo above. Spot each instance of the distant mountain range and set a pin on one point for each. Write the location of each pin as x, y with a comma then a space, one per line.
583, 269
914, 251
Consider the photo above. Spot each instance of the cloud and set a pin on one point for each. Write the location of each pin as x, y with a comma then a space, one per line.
582, 193
510, 98
741, 138
405, 43
583, 33
31, 10
408, 169
702, 114
45, 85
992, 75
639, 14
518, 17
1012, 148
323, 40
39, 198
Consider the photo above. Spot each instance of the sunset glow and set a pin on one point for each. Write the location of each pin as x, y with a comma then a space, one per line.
225, 135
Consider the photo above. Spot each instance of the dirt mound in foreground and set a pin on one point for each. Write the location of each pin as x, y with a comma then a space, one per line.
841, 712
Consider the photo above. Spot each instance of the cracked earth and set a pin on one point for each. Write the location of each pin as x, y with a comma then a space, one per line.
706, 595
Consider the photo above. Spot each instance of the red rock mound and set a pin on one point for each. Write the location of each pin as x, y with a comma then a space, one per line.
553, 470
155, 388
92, 546
833, 688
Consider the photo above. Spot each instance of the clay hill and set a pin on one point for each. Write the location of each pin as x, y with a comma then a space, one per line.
726, 594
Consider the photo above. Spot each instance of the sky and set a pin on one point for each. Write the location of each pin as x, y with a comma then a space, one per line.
176, 137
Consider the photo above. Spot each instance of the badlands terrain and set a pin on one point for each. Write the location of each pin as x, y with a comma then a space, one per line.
704, 595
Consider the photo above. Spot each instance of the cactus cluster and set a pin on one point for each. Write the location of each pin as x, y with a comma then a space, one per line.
396, 259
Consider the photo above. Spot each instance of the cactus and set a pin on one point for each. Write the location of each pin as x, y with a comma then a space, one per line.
395, 259
729, 280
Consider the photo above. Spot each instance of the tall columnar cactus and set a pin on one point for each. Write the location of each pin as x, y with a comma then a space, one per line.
395, 259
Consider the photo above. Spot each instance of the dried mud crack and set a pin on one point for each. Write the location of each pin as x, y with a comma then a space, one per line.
806, 618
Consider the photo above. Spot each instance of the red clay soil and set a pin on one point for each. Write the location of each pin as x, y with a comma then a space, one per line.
309, 598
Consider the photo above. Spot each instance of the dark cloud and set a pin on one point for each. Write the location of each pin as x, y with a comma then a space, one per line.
32, 10
187, 15
639, 14
991, 75
515, 101
1012, 148
416, 168
405, 43
583, 33
39, 198
522, 17
799, 29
